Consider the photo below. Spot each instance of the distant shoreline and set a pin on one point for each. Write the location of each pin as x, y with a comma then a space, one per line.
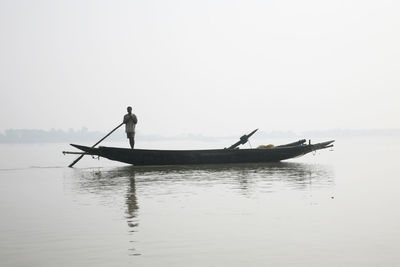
27, 136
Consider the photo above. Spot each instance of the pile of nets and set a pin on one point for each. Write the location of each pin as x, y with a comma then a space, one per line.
265, 146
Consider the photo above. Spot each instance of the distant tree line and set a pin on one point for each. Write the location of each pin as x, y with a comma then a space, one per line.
25, 136
49, 136
84, 135
337, 133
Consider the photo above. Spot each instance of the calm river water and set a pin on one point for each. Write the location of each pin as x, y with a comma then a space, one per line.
335, 208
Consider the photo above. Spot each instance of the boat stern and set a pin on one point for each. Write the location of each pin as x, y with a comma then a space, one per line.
88, 150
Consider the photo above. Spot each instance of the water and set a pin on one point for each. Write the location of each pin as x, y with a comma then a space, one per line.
337, 208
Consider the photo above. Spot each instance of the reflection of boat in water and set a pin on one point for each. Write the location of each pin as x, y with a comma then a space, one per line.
295, 175
145, 157
131, 189
245, 175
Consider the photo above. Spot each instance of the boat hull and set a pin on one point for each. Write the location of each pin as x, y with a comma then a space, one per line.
146, 157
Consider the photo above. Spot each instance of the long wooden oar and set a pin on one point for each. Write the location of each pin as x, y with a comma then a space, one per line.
81, 156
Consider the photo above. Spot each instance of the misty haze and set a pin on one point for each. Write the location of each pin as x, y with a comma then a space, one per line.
203, 133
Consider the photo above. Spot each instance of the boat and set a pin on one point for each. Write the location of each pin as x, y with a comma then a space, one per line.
232, 154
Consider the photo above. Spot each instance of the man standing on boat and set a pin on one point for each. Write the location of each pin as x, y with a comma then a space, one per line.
130, 121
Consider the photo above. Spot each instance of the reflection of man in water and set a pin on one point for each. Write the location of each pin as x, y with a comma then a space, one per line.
130, 121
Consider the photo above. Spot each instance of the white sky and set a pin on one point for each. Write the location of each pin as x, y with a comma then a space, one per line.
205, 67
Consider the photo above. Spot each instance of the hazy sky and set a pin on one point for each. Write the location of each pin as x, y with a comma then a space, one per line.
204, 67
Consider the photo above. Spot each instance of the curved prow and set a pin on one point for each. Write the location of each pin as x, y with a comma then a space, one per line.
322, 145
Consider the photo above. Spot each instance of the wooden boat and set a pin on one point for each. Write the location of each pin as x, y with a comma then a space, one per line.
145, 157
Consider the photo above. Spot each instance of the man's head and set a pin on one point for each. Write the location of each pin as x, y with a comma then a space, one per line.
129, 109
